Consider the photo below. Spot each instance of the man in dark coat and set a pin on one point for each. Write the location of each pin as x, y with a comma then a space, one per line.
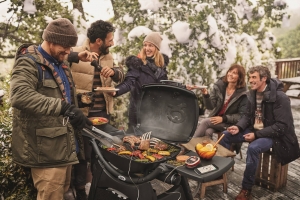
267, 123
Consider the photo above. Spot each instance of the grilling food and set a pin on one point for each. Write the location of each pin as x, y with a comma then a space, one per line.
182, 158
164, 153
160, 145
145, 144
157, 156
149, 155
98, 120
145, 141
125, 153
132, 140
120, 148
151, 158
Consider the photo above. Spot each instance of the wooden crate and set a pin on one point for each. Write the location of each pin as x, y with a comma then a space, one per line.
270, 174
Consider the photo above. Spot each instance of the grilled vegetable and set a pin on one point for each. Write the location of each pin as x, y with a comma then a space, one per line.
124, 153
136, 153
164, 153
152, 150
145, 153
157, 156
141, 156
151, 158
111, 149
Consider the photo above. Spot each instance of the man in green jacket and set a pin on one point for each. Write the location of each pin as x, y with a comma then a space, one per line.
46, 123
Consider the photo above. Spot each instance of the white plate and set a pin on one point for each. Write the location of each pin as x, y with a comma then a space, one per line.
106, 89
199, 87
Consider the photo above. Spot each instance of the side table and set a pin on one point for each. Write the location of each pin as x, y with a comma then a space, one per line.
222, 153
211, 178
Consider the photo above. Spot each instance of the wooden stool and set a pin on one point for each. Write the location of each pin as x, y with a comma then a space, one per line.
270, 174
222, 180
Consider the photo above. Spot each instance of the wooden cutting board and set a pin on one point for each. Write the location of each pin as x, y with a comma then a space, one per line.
222, 151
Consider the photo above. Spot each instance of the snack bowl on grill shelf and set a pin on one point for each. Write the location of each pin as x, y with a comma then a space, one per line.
206, 151
98, 120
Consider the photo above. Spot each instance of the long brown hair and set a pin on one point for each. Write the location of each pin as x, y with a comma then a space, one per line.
241, 72
158, 57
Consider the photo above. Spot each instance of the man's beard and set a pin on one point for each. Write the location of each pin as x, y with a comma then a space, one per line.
103, 49
59, 56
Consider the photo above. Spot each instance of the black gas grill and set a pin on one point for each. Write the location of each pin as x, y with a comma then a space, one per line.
171, 114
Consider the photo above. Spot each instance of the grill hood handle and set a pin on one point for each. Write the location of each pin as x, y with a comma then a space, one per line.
162, 168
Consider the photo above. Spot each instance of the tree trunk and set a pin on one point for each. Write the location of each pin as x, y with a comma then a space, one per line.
78, 4
116, 14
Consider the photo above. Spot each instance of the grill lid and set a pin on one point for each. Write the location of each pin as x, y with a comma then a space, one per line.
169, 111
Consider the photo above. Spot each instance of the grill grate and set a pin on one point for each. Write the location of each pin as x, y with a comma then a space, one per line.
172, 148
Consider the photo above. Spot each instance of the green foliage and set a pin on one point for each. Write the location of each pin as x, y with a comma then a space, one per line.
27, 28
289, 44
15, 180
201, 61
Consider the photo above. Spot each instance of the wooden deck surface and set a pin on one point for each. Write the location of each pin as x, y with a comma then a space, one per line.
291, 191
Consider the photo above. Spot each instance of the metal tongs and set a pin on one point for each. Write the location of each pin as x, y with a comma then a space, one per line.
91, 129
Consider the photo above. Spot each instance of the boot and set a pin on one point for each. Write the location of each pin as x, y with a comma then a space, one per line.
80, 194
244, 195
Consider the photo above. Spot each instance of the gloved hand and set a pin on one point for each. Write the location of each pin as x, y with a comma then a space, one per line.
77, 119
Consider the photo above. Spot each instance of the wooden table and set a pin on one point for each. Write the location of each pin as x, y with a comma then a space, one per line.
288, 82
223, 156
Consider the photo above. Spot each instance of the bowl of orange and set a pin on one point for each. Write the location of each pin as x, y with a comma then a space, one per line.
206, 151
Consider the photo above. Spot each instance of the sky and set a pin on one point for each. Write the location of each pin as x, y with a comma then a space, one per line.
99, 8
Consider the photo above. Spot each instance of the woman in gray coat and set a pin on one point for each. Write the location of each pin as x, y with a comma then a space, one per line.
227, 102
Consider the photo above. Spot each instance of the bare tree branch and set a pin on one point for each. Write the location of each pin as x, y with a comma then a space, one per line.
7, 57
78, 5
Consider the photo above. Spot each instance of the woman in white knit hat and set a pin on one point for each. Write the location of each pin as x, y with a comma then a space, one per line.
148, 67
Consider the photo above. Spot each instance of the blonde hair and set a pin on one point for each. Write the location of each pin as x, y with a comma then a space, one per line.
158, 57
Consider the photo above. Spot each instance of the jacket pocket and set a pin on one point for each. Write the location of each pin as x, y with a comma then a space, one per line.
49, 88
53, 145
50, 83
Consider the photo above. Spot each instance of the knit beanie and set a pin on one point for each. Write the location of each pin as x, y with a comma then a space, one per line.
154, 38
61, 31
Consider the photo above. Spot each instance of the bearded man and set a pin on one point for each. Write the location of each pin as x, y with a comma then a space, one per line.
87, 78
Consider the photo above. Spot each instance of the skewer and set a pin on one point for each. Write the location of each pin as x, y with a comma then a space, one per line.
219, 140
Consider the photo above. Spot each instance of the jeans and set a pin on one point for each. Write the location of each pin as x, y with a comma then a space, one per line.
256, 147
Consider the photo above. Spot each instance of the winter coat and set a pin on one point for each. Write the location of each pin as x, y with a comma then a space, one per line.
137, 75
236, 107
39, 137
277, 119
83, 74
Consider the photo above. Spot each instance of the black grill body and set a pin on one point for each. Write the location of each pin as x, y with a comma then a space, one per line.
171, 114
